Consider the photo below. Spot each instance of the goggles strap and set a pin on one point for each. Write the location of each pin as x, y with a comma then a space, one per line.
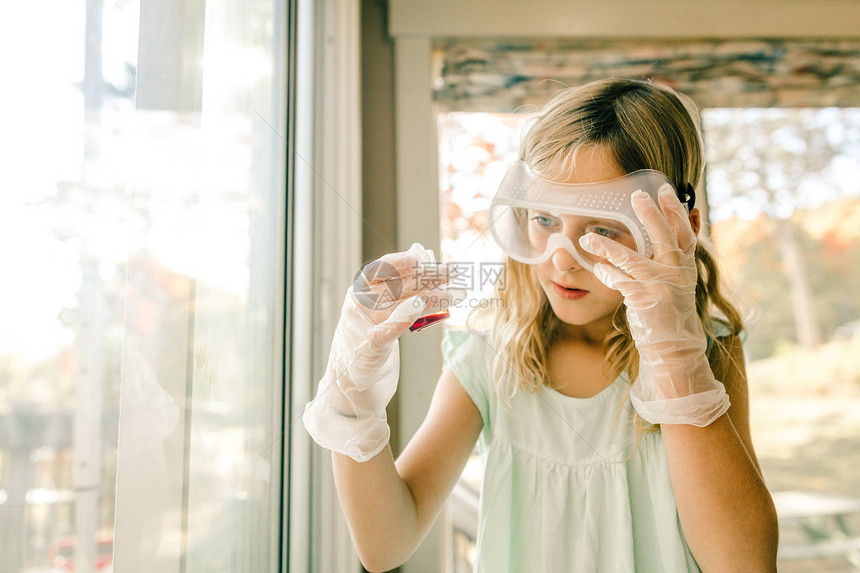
686, 194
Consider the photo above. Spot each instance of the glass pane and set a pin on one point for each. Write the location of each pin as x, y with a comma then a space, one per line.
784, 193
784, 205
141, 350
474, 151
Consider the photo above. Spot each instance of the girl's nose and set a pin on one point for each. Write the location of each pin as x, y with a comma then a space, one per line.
563, 261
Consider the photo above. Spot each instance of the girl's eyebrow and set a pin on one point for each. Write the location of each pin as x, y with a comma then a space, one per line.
607, 223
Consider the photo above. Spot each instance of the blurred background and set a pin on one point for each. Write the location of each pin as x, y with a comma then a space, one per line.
187, 188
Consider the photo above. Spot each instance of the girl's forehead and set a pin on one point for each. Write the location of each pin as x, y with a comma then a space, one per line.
593, 164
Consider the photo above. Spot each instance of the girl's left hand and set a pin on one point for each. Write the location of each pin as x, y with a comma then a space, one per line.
675, 383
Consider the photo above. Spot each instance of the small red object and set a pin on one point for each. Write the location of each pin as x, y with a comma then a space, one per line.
429, 320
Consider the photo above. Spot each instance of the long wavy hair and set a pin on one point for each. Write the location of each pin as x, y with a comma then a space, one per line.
644, 126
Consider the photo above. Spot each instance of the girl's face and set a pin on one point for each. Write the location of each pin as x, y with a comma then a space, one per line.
575, 294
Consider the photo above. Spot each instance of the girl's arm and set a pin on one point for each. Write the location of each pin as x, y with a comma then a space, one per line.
390, 506
726, 511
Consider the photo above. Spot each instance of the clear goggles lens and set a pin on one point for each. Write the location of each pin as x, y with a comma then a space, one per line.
531, 218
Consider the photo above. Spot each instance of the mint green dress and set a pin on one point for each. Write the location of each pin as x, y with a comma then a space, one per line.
561, 491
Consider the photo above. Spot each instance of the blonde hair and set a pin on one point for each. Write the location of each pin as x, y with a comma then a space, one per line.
644, 126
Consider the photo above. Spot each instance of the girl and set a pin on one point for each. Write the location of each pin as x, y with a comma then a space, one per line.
608, 397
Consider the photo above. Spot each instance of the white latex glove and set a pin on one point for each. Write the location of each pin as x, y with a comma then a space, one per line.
675, 383
348, 413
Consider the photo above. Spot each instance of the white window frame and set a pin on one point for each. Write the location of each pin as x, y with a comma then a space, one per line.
327, 251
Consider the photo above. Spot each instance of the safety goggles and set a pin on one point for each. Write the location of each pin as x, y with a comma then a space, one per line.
531, 218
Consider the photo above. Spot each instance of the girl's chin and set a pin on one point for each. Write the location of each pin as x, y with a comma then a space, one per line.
582, 316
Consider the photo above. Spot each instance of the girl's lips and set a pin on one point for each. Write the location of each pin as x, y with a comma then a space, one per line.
568, 294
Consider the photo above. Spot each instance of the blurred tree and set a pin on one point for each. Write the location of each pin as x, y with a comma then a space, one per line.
774, 162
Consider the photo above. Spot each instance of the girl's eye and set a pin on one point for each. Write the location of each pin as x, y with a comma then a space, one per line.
604, 231
543, 220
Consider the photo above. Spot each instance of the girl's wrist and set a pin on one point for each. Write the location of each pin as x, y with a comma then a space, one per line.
681, 377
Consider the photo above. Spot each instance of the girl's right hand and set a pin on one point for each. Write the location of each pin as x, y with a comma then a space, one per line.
348, 413
390, 293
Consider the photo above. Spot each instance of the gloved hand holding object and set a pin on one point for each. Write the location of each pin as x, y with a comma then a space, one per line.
348, 413
676, 384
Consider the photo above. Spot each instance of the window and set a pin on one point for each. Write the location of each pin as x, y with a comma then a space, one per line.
780, 121
785, 205
784, 208
143, 246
